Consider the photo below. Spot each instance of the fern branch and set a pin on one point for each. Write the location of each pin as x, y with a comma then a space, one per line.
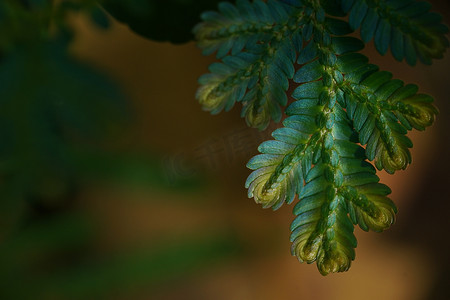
266, 36
338, 181
383, 110
341, 101
406, 26
325, 233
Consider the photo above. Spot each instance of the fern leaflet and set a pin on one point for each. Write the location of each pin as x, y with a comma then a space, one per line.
406, 26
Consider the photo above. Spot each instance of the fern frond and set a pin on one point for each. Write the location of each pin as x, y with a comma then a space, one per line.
407, 27
323, 232
257, 43
382, 111
342, 104
280, 169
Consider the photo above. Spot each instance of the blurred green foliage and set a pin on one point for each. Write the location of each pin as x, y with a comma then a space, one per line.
58, 118
50, 103
56, 114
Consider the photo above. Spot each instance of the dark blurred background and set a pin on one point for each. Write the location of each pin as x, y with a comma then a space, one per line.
116, 185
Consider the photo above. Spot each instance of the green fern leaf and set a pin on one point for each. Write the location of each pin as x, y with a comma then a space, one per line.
342, 102
407, 27
383, 110
257, 44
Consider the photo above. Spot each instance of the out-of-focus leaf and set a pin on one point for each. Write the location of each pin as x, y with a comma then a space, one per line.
47, 101
161, 20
